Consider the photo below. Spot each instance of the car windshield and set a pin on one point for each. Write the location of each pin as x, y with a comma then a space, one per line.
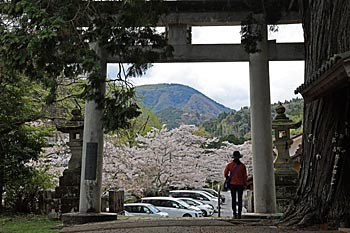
197, 202
181, 202
212, 192
208, 194
190, 202
153, 208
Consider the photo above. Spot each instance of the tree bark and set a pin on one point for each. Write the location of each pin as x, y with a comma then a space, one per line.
1, 191
323, 195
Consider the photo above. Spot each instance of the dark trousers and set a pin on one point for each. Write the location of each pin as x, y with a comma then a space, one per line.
236, 190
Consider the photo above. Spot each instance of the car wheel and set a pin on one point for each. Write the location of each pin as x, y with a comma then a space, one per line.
204, 213
187, 215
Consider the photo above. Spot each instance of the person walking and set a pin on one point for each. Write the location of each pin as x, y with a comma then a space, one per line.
237, 173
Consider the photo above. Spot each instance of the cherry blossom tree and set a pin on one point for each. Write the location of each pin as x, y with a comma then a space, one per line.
162, 159
55, 158
167, 159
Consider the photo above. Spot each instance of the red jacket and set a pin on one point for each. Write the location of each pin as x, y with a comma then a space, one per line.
240, 177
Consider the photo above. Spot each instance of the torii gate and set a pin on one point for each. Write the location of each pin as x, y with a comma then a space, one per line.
183, 15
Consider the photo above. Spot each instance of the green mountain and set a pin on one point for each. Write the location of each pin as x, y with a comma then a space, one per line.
176, 104
235, 126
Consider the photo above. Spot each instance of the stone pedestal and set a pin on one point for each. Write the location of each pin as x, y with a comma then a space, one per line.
286, 185
68, 190
286, 177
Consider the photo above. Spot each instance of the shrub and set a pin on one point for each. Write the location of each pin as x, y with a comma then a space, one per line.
22, 194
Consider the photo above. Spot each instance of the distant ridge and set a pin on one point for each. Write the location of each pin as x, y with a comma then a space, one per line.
177, 104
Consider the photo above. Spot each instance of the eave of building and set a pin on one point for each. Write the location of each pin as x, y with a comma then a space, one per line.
333, 75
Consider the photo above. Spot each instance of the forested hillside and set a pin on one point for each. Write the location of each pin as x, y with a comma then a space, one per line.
177, 104
235, 126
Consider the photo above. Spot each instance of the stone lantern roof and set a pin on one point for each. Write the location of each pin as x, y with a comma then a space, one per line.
75, 123
281, 121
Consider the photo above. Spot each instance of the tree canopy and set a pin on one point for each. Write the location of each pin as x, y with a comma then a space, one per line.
50, 42
20, 139
47, 55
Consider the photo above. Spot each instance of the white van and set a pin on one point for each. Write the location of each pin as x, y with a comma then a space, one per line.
173, 206
197, 195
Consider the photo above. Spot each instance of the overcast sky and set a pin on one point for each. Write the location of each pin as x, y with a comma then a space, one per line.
228, 83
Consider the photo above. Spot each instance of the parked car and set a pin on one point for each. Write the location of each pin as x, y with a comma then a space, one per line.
214, 193
197, 195
207, 210
143, 209
173, 206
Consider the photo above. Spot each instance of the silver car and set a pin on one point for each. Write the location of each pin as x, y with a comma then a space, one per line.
201, 196
207, 210
214, 193
173, 206
143, 209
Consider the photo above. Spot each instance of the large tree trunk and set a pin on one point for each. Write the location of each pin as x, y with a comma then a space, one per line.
323, 194
1, 190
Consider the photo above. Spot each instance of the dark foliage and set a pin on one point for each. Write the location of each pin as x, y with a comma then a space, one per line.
50, 41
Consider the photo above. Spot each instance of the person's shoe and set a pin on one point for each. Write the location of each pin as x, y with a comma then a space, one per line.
239, 216
235, 216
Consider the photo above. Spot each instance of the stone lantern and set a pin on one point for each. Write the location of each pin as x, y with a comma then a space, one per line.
68, 190
285, 175
74, 127
282, 125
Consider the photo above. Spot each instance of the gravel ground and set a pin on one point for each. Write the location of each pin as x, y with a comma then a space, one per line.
185, 225
224, 224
